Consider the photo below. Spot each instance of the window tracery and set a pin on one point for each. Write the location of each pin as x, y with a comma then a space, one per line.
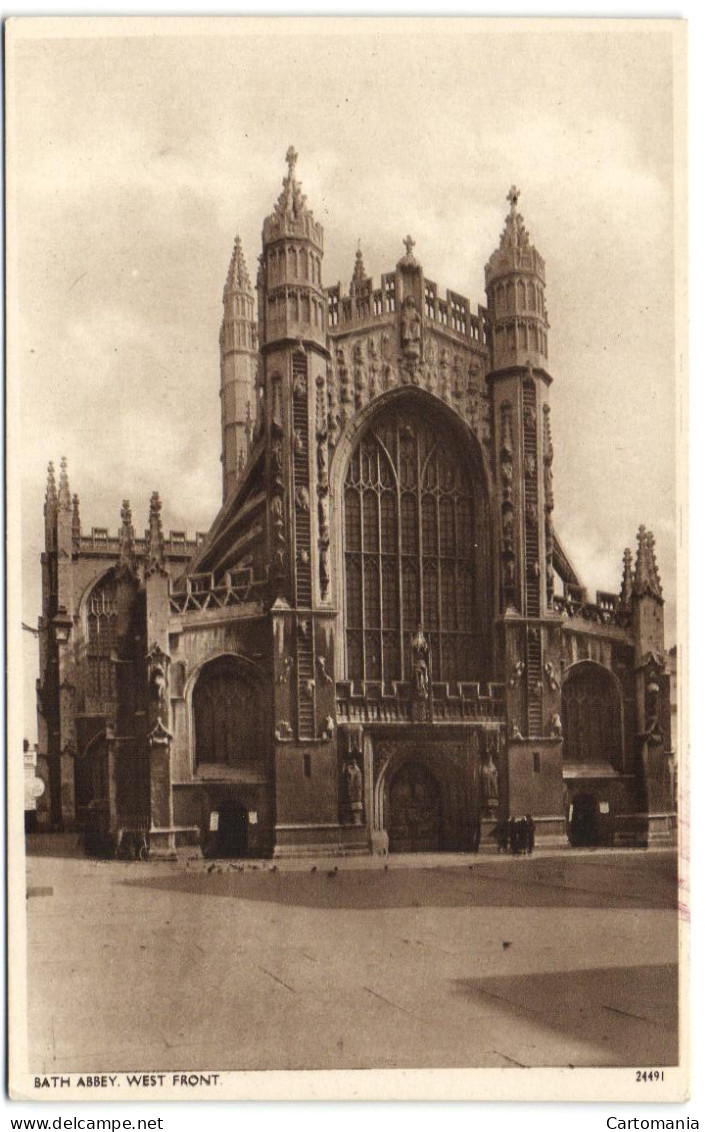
101, 618
411, 516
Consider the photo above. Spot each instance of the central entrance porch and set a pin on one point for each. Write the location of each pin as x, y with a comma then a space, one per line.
429, 788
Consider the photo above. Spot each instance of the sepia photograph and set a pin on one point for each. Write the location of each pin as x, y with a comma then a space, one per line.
347, 620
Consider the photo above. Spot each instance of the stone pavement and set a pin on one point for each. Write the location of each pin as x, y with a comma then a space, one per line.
411, 961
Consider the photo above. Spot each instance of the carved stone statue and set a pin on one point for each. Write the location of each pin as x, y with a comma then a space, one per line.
277, 455
420, 664
556, 725
157, 714
158, 687
411, 324
352, 781
489, 783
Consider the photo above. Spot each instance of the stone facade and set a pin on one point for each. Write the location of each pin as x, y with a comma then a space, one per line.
381, 641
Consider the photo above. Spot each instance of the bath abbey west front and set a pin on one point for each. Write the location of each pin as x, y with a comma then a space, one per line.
381, 642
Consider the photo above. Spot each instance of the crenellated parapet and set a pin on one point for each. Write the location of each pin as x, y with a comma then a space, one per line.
404, 333
452, 314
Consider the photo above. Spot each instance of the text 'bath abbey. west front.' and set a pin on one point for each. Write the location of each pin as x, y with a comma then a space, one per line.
381, 642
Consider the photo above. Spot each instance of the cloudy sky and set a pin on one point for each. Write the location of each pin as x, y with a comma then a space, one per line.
136, 157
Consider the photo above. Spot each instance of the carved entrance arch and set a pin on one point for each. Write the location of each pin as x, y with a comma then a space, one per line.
433, 783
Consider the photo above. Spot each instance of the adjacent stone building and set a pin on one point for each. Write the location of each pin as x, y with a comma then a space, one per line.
381, 641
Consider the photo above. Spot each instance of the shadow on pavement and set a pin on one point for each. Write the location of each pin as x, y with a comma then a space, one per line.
631, 1011
518, 884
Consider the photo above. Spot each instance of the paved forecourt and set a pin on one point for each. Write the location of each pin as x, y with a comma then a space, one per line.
444, 961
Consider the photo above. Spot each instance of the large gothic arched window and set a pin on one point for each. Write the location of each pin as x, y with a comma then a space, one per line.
228, 713
415, 534
591, 716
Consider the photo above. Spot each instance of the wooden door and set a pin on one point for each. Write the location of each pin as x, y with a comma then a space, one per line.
414, 817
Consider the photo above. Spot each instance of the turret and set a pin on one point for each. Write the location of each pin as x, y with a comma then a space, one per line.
294, 357
294, 302
239, 361
515, 286
519, 381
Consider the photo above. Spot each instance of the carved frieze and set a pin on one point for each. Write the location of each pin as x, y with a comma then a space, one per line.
365, 366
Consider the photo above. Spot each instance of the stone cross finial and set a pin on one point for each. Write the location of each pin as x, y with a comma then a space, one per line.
513, 196
291, 159
409, 243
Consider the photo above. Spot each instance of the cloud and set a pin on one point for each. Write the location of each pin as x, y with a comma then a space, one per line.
136, 161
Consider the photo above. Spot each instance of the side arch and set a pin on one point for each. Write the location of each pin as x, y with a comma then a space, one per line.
592, 715
228, 710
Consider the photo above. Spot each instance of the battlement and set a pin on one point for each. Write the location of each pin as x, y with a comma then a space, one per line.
370, 702
444, 309
102, 542
607, 610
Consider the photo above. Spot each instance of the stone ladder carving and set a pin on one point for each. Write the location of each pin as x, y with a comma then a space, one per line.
305, 661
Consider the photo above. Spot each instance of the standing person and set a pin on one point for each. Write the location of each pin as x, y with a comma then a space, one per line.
502, 835
512, 835
530, 832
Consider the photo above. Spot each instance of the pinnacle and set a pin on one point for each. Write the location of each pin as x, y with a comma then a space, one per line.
359, 275
156, 545
627, 580
238, 273
646, 578
64, 493
51, 492
291, 202
515, 234
408, 259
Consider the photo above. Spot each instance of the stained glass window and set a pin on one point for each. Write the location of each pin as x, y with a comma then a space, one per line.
414, 552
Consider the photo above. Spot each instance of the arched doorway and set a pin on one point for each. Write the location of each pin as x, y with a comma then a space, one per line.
231, 837
583, 825
413, 810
